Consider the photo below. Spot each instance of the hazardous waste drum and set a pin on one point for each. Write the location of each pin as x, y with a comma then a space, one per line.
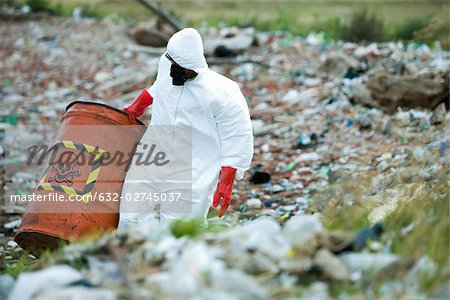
82, 181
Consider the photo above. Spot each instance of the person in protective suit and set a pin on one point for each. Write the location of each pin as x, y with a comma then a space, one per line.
186, 91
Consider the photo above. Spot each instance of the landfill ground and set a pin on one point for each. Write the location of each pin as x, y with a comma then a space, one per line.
357, 205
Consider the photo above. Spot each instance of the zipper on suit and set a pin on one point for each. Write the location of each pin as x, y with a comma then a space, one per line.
175, 118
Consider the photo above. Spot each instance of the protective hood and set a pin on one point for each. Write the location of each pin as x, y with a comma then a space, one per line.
186, 48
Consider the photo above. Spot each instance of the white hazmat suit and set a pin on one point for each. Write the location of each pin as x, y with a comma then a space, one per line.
215, 109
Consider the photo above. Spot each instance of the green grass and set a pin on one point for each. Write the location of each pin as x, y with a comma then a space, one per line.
195, 227
340, 214
428, 215
402, 19
430, 234
190, 228
15, 267
408, 29
348, 219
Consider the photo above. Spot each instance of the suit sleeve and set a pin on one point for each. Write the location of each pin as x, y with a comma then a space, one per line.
235, 130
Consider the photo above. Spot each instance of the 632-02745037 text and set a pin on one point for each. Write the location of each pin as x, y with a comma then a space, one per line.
98, 196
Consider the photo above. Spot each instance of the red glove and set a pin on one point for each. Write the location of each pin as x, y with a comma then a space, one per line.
224, 189
139, 105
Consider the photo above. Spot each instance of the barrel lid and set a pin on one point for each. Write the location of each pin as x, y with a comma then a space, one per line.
101, 104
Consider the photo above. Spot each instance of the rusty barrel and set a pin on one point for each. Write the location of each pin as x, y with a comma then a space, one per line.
85, 172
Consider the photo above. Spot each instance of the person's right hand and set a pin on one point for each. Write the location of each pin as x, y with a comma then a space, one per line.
131, 116
138, 107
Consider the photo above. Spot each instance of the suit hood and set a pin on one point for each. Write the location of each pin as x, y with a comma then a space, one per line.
186, 48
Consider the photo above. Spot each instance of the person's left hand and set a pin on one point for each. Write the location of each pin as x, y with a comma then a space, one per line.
224, 189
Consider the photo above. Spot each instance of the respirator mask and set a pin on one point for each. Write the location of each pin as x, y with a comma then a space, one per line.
177, 72
178, 75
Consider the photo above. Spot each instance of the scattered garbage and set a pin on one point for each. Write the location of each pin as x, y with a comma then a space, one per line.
149, 37
365, 262
334, 122
228, 42
366, 235
388, 92
331, 266
29, 285
260, 177
6, 284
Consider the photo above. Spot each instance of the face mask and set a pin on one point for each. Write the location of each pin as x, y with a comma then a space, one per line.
178, 75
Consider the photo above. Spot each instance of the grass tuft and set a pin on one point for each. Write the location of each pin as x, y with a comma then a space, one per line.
22, 264
363, 26
422, 227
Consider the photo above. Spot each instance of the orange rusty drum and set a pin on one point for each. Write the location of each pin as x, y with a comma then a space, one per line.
89, 132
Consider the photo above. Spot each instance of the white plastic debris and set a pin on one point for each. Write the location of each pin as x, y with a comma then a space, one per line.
300, 229
6, 284
198, 274
366, 262
312, 156
262, 234
77, 293
30, 284
331, 266
254, 203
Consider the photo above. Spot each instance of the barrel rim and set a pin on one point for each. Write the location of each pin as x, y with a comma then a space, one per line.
101, 104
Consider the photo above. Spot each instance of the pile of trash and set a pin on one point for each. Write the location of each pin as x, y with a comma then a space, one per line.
257, 260
336, 125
